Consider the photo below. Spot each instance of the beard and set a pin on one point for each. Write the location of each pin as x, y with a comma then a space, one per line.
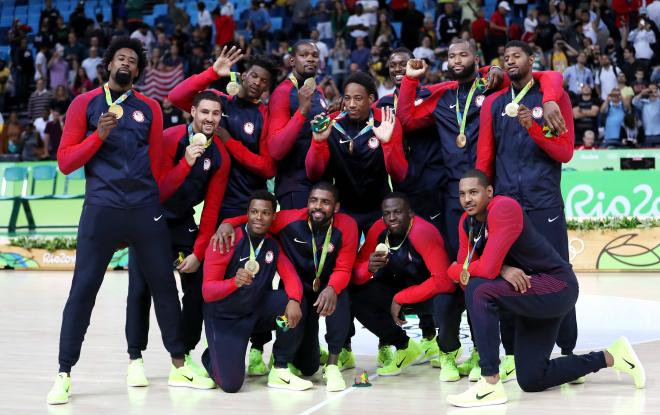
123, 78
517, 76
466, 73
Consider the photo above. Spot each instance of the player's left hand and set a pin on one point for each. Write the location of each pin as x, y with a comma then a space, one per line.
223, 134
227, 59
190, 265
384, 131
525, 117
395, 310
515, 276
553, 117
494, 78
293, 313
327, 302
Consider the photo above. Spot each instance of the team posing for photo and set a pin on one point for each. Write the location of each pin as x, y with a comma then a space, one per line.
455, 188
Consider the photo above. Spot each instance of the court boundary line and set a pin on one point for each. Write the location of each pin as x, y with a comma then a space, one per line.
327, 401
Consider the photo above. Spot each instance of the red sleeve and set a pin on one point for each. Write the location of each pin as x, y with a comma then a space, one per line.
155, 136
284, 128
172, 174
341, 275
75, 149
212, 202
455, 268
505, 224
288, 274
559, 148
486, 142
214, 286
261, 164
552, 86
395, 158
317, 158
182, 95
426, 240
361, 272
414, 117
236, 221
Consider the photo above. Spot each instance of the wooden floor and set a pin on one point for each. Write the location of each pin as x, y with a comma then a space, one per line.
31, 305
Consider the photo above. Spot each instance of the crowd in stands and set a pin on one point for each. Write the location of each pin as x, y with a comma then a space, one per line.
606, 49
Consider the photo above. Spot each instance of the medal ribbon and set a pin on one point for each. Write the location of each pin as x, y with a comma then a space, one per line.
319, 263
468, 258
108, 97
522, 93
396, 248
233, 77
396, 101
294, 80
254, 253
366, 129
462, 118
191, 134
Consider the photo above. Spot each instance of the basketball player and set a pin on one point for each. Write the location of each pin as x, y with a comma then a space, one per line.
193, 172
116, 133
496, 234
239, 300
402, 262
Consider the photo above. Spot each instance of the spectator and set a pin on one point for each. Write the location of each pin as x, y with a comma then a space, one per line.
58, 69
323, 16
358, 24
629, 65
340, 55
639, 83
559, 57
203, 16
23, 64
90, 63
101, 76
545, 32
31, 144
5, 74
339, 19
40, 100
53, 132
78, 21
41, 64
224, 23
178, 16
44, 37
577, 75
642, 38
40, 122
648, 104
627, 93
605, 78
144, 35
49, 14
61, 33
61, 98
259, 21
559, 16
301, 15
520, 9
480, 27
11, 134
120, 29
540, 63
447, 25
530, 23
614, 110
497, 29
424, 51
384, 32
81, 84
171, 115
585, 112
588, 141
198, 60
360, 55
74, 49
172, 58
413, 20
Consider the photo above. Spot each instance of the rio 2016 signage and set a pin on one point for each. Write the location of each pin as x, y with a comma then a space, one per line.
611, 193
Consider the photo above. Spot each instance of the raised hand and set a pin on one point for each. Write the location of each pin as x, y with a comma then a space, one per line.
322, 135
414, 70
227, 59
384, 131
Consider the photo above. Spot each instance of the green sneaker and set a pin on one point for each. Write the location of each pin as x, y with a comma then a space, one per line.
430, 349
186, 377
508, 369
197, 368
135, 374
290, 366
448, 369
384, 356
404, 357
475, 374
466, 367
578, 381
281, 378
334, 381
346, 360
481, 394
626, 360
323, 356
59, 393
256, 365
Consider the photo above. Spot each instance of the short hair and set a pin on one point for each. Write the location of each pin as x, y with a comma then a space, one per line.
364, 79
263, 194
483, 179
404, 51
398, 195
206, 95
327, 187
471, 45
263, 62
520, 44
125, 42
298, 44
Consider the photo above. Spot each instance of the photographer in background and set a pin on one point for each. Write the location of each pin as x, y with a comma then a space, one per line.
648, 104
614, 109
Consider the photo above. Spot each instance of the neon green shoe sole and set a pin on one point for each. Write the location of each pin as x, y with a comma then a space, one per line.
280, 378
346, 360
403, 358
481, 394
626, 360
135, 376
185, 377
334, 381
61, 390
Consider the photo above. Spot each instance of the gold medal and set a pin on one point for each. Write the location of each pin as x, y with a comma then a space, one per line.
316, 285
198, 139
233, 88
350, 147
511, 109
381, 247
465, 277
117, 110
461, 140
310, 82
252, 266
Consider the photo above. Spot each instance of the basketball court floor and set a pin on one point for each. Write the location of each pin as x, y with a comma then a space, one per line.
31, 307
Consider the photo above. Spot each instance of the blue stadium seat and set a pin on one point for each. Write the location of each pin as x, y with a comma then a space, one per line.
276, 24
160, 9
22, 10
150, 19
4, 52
397, 29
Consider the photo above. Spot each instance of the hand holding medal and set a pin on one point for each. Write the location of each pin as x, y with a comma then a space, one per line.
525, 117
512, 107
378, 259
320, 124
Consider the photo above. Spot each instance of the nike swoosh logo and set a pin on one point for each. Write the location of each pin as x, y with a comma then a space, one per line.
341, 141
632, 366
503, 114
480, 397
299, 241
452, 106
286, 381
553, 219
508, 372
435, 216
191, 230
400, 363
189, 379
156, 219
477, 239
243, 259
